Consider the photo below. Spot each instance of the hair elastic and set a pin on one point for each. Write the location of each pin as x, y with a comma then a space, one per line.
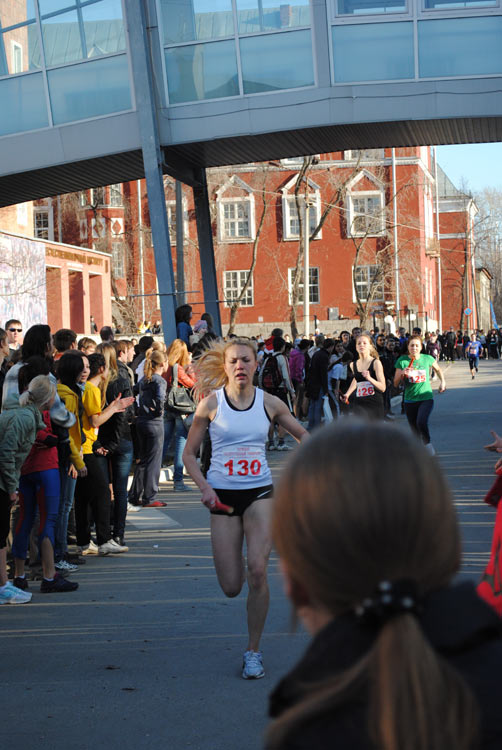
391, 599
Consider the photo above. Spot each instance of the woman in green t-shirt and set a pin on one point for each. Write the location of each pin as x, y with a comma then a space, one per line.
414, 369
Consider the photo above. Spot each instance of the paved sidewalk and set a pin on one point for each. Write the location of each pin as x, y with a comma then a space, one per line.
146, 654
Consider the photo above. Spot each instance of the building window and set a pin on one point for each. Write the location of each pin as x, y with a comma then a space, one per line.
171, 218
236, 215
118, 264
236, 219
83, 198
116, 195
370, 7
290, 219
368, 281
17, 58
98, 196
233, 283
313, 285
41, 223
366, 216
365, 154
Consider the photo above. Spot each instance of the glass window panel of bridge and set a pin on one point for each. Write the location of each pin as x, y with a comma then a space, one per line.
91, 89
62, 41
373, 51
369, 7
196, 20
276, 62
455, 4
270, 15
479, 39
103, 27
13, 12
202, 71
19, 46
24, 100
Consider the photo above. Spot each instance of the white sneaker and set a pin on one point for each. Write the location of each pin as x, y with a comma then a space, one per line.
12, 595
282, 447
133, 508
90, 549
65, 565
112, 548
430, 448
252, 665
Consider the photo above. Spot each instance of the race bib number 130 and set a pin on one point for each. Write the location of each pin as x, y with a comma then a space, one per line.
242, 462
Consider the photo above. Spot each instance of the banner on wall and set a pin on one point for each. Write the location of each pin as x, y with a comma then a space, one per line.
22, 281
494, 319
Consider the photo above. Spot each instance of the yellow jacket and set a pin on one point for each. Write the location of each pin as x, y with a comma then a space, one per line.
70, 399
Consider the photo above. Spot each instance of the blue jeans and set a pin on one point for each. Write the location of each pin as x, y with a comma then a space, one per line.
40, 488
120, 463
65, 505
315, 411
176, 425
146, 474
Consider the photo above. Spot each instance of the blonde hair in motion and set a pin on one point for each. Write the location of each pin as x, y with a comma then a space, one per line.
209, 368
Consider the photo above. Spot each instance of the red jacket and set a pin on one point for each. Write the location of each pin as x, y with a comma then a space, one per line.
183, 377
44, 452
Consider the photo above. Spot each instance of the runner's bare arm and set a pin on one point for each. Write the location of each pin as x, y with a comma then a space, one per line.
203, 414
440, 375
277, 409
352, 387
398, 377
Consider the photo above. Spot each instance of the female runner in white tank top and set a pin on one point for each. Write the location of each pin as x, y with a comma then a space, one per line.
239, 417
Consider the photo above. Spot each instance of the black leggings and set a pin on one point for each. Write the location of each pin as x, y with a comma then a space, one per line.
417, 414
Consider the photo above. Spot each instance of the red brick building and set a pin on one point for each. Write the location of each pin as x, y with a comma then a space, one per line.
373, 246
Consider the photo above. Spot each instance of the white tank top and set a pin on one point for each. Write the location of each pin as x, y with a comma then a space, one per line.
238, 438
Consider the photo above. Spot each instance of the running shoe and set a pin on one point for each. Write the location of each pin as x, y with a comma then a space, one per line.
64, 565
252, 665
89, 549
181, 487
430, 449
10, 594
20, 583
133, 508
58, 585
155, 504
282, 447
270, 446
112, 548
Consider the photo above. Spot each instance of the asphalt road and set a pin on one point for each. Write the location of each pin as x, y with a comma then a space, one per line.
147, 653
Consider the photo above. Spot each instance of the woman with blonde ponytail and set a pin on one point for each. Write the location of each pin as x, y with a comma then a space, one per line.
150, 430
401, 658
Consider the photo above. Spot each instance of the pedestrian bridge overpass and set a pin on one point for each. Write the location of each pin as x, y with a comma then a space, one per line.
95, 92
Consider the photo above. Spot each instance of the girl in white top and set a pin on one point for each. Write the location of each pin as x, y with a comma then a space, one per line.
238, 416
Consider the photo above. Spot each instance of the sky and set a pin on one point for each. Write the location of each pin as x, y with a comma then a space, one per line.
473, 166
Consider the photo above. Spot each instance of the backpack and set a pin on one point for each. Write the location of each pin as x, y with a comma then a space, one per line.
270, 378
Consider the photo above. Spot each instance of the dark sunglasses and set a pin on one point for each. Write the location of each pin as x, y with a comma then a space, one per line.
13, 330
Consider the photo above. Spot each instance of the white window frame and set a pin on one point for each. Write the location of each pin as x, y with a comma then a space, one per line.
230, 287
314, 286
115, 190
16, 50
120, 261
38, 211
352, 214
235, 183
288, 200
367, 282
171, 217
95, 202
84, 202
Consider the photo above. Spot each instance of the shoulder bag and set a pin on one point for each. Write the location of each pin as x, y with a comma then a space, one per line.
178, 399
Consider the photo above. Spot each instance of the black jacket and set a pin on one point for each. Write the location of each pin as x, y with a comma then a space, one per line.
317, 378
118, 427
458, 624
